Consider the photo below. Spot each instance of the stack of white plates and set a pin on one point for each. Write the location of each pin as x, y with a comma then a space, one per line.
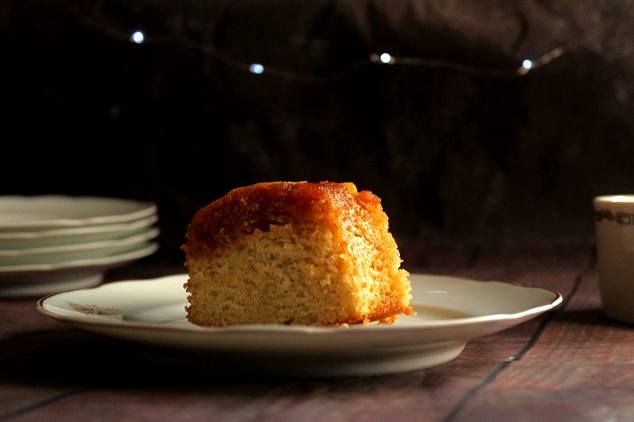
54, 243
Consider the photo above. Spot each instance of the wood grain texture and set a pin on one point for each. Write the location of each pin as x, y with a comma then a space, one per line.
580, 368
569, 364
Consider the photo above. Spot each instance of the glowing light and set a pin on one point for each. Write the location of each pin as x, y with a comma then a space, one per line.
622, 198
386, 58
527, 64
256, 68
137, 37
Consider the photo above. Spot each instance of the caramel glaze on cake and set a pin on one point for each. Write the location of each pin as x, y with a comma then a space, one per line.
294, 253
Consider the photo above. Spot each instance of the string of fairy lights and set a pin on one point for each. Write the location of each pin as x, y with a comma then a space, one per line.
384, 58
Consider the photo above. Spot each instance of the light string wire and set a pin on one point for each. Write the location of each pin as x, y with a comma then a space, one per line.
374, 59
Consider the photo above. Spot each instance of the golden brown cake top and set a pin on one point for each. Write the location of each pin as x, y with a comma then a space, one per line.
340, 235
258, 206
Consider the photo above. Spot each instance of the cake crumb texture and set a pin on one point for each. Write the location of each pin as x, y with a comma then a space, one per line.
294, 253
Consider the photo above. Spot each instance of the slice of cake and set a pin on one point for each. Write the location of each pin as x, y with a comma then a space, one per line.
294, 253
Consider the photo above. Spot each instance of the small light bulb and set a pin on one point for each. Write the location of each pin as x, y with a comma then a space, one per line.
137, 37
527, 64
386, 58
256, 68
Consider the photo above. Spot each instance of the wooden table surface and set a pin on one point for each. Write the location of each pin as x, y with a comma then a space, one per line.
570, 364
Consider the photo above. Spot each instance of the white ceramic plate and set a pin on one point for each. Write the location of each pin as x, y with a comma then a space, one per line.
41, 279
57, 254
74, 235
449, 312
47, 212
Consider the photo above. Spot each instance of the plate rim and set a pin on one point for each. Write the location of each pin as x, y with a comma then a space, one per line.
301, 330
122, 227
149, 234
147, 208
79, 264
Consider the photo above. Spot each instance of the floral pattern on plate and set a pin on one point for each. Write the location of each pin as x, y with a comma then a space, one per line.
98, 311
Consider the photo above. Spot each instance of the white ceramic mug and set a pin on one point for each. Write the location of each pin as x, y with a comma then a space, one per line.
614, 225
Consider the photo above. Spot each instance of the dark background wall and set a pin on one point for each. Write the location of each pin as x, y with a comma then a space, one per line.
460, 145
